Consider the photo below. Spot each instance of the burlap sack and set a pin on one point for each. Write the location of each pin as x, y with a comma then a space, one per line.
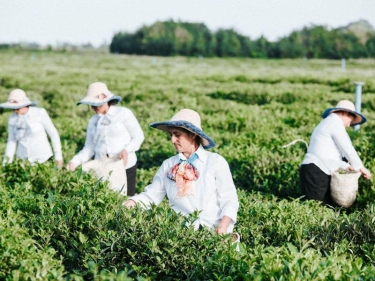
344, 186
109, 169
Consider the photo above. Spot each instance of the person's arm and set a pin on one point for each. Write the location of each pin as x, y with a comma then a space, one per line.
227, 195
11, 145
365, 173
153, 194
223, 225
343, 142
87, 152
135, 131
54, 136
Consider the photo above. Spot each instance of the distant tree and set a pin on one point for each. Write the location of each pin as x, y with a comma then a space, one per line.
171, 38
370, 46
227, 43
292, 46
261, 48
347, 45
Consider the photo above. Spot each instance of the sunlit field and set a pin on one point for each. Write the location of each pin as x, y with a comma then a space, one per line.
60, 225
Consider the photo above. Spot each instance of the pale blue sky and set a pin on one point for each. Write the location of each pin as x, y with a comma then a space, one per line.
84, 21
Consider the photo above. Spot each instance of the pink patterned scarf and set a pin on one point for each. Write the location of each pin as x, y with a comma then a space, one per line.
184, 173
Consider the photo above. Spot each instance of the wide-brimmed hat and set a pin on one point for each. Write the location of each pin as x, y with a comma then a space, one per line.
189, 120
345, 105
16, 100
98, 94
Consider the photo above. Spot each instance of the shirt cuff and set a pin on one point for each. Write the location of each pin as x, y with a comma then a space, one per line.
142, 200
344, 165
229, 212
75, 162
58, 156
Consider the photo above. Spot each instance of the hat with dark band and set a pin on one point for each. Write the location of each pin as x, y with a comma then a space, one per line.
16, 100
98, 94
348, 106
189, 120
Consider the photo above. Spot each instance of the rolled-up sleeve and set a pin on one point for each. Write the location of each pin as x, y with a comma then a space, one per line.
226, 190
154, 193
53, 134
135, 131
345, 146
88, 151
11, 146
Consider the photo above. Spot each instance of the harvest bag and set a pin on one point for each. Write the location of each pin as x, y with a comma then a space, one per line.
344, 186
109, 169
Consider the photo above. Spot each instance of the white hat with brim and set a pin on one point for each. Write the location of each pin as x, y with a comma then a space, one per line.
189, 120
17, 99
348, 106
98, 94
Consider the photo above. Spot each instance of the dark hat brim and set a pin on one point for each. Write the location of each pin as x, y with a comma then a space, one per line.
207, 142
360, 119
13, 106
92, 103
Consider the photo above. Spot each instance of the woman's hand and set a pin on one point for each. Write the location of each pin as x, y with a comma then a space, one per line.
365, 173
223, 225
70, 166
129, 203
124, 156
59, 163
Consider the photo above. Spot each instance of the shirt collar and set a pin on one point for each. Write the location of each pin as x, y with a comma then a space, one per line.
201, 152
29, 113
110, 112
336, 117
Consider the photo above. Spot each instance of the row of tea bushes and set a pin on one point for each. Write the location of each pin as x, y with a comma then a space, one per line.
78, 229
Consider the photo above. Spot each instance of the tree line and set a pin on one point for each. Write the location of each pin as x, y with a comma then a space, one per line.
170, 38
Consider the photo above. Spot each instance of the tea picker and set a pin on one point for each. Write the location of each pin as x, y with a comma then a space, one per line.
321, 171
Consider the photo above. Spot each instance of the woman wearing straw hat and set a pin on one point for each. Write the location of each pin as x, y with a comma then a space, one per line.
329, 143
194, 179
112, 132
28, 127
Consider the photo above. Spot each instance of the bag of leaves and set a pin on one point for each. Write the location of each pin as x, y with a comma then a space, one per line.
110, 169
344, 186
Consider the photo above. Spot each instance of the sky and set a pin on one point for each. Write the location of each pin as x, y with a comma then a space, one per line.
78, 22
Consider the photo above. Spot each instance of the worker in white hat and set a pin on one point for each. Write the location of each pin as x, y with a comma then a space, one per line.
112, 132
28, 128
328, 145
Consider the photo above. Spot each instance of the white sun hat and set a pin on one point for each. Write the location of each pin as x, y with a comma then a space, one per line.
348, 106
16, 100
189, 120
98, 94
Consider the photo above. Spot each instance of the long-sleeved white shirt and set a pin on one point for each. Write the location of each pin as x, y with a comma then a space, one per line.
28, 134
214, 193
329, 144
107, 135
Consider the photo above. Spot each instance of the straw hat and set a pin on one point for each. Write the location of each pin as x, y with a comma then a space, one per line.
98, 94
345, 105
189, 120
16, 100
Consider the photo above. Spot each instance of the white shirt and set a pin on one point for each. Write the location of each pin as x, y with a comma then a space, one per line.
329, 143
107, 135
214, 193
28, 134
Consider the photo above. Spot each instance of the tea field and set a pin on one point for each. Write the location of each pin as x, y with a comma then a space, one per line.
60, 225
